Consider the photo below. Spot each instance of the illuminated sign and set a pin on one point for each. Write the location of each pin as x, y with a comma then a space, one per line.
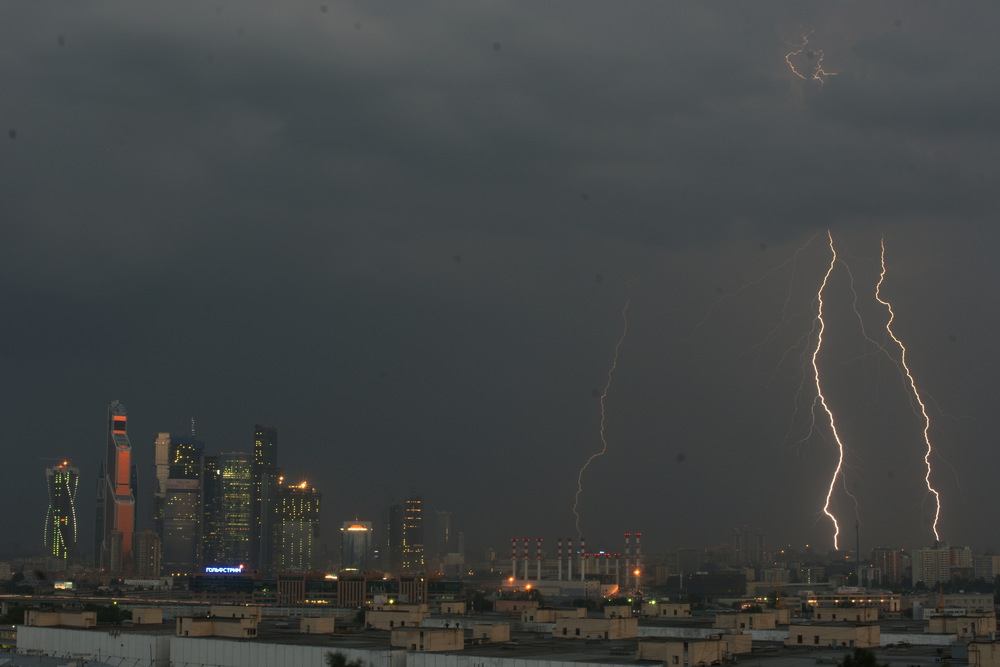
63, 585
223, 570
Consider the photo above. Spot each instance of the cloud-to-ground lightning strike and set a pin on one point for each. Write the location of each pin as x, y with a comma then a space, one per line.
604, 395
821, 399
817, 73
916, 394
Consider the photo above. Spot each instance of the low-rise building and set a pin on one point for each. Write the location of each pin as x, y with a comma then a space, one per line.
236, 628
551, 614
51, 619
666, 610
428, 639
618, 611
321, 625
596, 628
967, 626
683, 653
745, 620
834, 635
826, 614
389, 620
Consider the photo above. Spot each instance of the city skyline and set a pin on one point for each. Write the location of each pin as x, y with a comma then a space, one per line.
405, 238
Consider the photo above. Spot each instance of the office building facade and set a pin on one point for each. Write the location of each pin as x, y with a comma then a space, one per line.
183, 511
296, 528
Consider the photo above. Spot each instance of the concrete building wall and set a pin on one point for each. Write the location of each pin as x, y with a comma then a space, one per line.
781, 616
834, 636
513, 606
984, 654
738, 644
492, 633
388, 620
550, 614
236, 628
317, 626
112, 647
84, 619
468, 660
230, 653
596, 628
965, 627
236, 611
682, 653
845, 614
666, 610
428, 639
147, 616
618, 611
745, 620
452, 607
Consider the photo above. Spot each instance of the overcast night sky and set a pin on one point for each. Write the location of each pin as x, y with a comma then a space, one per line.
405, 233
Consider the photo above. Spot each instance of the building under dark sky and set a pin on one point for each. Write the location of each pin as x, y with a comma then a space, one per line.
60, 539
116, 496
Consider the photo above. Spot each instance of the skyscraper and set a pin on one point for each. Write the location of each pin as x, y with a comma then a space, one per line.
161, 466
147, 554
406, 536
211, 528
296, 528
356, 545
60, 518
228, 508
116, 496
183, 512
264, 475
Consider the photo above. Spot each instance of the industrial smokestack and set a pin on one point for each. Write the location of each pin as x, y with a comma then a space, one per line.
559, 556
569, 559
538, 557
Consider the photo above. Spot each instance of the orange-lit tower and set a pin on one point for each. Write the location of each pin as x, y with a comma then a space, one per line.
118, 495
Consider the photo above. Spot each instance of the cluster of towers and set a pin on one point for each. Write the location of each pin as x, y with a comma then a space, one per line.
231, 509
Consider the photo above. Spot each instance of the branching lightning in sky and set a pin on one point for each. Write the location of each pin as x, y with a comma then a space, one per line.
816, 72
604, 395
916, 395
821, 399
750, 283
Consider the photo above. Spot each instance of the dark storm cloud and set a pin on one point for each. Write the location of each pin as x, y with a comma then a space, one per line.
251, 212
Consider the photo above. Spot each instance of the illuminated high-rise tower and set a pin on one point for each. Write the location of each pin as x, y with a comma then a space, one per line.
356, 545
264, 479
296, 528
182, 511
161, 462
406, 536
228, 491
60, 519
116, 496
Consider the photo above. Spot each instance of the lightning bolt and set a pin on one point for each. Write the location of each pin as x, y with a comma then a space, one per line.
820, 325
604, 395
916, 395
817, 73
